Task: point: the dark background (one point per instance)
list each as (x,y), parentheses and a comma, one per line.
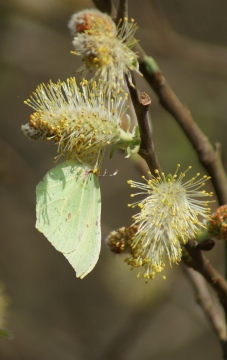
(110,314)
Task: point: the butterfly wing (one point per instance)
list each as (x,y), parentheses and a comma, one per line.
(68,213)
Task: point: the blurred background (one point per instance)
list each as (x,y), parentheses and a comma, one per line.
(109,315)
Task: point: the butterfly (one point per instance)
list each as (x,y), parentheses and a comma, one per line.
(68,212)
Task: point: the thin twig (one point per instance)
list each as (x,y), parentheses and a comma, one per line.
(105,6)
(122,10)
(208,155)
(201,264)
(204,299)
(141,103)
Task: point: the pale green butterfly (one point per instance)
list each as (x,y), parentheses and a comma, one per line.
(68,211)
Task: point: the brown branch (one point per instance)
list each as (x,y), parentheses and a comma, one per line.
(141,103)
(105,6)
(122,10)
(207,154)
(201,264)
(204,299)
(209,157)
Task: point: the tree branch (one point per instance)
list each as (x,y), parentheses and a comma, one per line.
(204,299)
(141,103)
(122,10)
(207,154)
(105,6)
(201,264)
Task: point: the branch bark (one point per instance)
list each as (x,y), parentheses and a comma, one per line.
(105,6)
(122,10)
(201,264)
(141,103)
(208,155)
(204,299)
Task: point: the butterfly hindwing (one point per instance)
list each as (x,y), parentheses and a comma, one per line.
(68,213)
